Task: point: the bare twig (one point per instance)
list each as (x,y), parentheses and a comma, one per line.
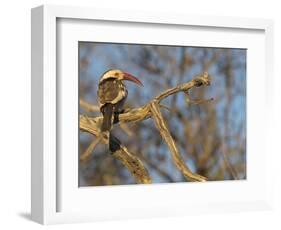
(88,107)
(200,80)
(196,102)
(157,168)
(227,163)
(126,129)
(166,107)
(90,149)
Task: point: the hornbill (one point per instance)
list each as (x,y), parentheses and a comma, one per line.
(112,94)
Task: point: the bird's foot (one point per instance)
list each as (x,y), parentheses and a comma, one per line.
(117,113)
(121,111)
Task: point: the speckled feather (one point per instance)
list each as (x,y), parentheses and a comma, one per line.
(111,91)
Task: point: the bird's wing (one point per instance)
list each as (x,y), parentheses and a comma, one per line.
(109,92)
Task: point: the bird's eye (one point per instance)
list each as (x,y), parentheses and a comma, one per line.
(116,74)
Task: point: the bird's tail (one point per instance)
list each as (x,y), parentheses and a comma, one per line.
(107,112)
(114,143)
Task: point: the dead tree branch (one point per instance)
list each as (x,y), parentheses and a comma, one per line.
(165,133)
(150,110)
(88,107)
(133,164)
(128,159)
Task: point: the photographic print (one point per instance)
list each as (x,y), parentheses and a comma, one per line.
(161,114)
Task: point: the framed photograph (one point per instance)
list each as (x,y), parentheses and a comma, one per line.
(141,114)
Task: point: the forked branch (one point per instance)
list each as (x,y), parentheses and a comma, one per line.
(150,110)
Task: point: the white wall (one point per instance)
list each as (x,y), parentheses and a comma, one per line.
(15,113)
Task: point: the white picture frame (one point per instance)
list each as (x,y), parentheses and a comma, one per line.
(54,201)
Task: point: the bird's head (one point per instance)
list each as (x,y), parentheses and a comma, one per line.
(120,75)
